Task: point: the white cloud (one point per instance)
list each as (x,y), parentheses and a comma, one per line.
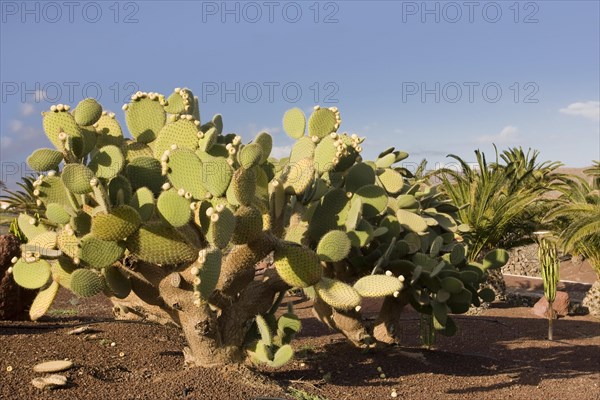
(5,142)
(509,134)
(281,151)
(588,109)
(15,125)
(27,109)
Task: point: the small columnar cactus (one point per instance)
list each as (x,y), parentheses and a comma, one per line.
(178,216)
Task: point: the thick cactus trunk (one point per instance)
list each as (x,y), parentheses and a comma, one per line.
(14,300)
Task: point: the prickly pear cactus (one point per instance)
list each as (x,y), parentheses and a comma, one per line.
(178,216)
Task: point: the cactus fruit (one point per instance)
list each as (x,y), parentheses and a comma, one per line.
(297,265)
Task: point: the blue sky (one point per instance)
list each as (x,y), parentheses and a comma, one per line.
(430,78)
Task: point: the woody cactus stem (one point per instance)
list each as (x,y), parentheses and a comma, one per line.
(550,273)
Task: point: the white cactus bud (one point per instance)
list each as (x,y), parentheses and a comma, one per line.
(187,195)
(193,205)
(94,182)
(401,278)
(181,192)
(210,211)
(67,107)
(38,202)
(194,271)
(174,146)
(357,308)
(388,273)
(60,107)
(9,270)
(52,173)
(316,107)
(36,192)
(32,221)
(396,293)
(14,260)
(166,186)
(62,136)
(53,108)
(214,217)
(76,261)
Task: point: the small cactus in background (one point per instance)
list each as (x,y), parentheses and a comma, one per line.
(179,216)
(550,273)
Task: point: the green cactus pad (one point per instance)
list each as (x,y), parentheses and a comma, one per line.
(45,160)
(322,122)
(86,283)
(244,185)
(495,259)
(43,300)
(436,246)
(117,282)
(43,241)
(362,234)
(377,285)
(99,253)
(487,295)
(81,223)
(62,270)
(386,161)
(217,121)
(303,148)
(265,141)
(337,294)
(109,131)
(299,176)
(452,285)
(216,173)
(210,271)
(408,202)
(77,177)
(87,112)
(296,234)
(457,254)
(57,214)
(354,213)
(359,175)
(374,200)
(146,172)
(325,155)
(134,150)
(221,228)
(160,243)
(143,202)
(264,330)
(119,224)
(334,246)
(119,190)
(185,172)
(107,162)
(391,180)
(52,190)
(90,139)
(411,221)
(330,214)
(175,209)
(183,133)
(180,102)
(32,275)
(294,123)
(248,226)
(297,266)
(145,117)
(250,155)
(30,226)
(68,243)
(55,122)
(209,139)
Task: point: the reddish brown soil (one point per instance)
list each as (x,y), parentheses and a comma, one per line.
(499,354)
